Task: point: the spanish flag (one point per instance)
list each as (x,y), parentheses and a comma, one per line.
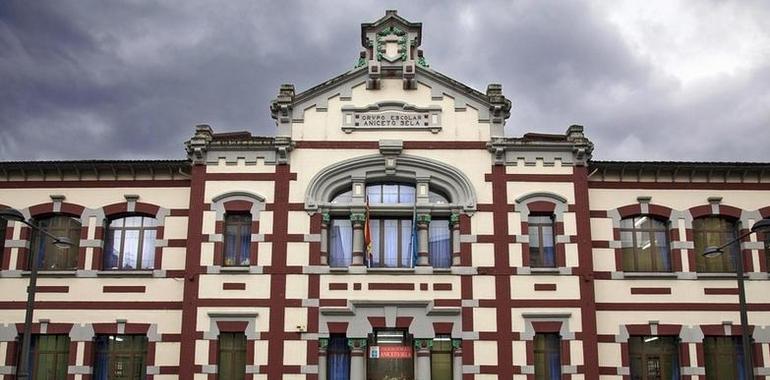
(367,236)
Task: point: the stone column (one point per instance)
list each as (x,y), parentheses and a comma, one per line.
(358,220)
(423,221)
(454,223)
(357,360)
(322,344)
(325,219)
(422,351)
(457,360)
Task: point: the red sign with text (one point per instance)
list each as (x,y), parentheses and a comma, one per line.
(395,352)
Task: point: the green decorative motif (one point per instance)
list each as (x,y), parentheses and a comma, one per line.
(454,219)
(356,342)
(423,343)
(391,30)
(323,343)
(326,218)
(361,62)
(423,218)
(456,343)
(421,62)
(402,38)
(358,217)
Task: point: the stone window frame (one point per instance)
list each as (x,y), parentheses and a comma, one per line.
(392,167)
(240,202)
(82,334)
(131,207)
(544,203)
(545,322)
(740,217)
(57,207)
(231,322)
(659,212)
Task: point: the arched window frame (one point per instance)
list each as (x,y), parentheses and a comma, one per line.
(738,217)
(543,204)
(236,203)
(425,174)
(131,207)
(644,207)
(39,240)
(147,235)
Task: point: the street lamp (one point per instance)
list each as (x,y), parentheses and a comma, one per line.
(60,242)
(760,226)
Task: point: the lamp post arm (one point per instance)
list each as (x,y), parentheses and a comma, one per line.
(736,240)
(41,230)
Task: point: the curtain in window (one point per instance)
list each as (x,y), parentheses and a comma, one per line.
(644,241)
(713,232)
(340,243)
(338,358)
(391,243)
(50,354)
(547,357)
(50,257)
(130,243)
(439,247)
(232,356)
(724,358)
(542,252)
(441,359)
(237,239)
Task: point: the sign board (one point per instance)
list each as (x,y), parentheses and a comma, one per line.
(391,116)
(392,352)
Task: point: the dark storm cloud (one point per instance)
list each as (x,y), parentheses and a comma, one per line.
(129,80)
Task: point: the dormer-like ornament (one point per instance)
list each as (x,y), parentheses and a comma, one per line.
(391,49)
(281,109)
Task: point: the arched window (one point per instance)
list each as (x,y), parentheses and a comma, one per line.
(714,231)
(50,257)
(130,243)
(237,239)
(645,244)
(542,251)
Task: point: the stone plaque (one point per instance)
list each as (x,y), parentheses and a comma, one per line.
(391,116)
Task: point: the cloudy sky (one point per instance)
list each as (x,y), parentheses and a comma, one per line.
(650,80)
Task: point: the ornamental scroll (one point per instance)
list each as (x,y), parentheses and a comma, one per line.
(391,116)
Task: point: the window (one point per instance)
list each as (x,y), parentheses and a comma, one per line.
(340,243)
(439,244)
(237,239)
(547,357)
(713,232)
(645,245)
(441,358)
(232,356)
(338,358)
(120,357)
(390,193)
(541,241)
(393,243)
(50,354)
(724,358)
(130,243)
(394,238)
(654,357)
(50,257)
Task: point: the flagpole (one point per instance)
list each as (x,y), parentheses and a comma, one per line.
(412,243)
